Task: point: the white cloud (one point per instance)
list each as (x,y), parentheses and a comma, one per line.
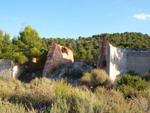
(141,16)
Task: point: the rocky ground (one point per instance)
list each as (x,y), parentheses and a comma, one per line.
(70,71)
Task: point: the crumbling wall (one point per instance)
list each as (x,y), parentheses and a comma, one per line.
(16,71)
(9,70)
(6,68)
(102,58)
(120,60)
(56,56)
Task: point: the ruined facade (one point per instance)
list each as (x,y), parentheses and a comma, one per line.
(57,54)
(104,44)
(120,60)
(9,69)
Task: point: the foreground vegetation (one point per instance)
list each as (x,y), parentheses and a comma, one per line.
(44,95)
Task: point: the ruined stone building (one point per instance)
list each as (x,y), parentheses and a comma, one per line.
(9,69)
(57,54)
(118,61)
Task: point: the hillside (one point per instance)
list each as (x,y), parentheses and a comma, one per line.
(86,48)
(28,44)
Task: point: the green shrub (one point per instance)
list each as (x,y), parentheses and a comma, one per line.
(128,91)
(131,72)
(133,81)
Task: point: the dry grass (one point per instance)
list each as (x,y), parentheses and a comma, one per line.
(44,95)
(142,103)
(7,107)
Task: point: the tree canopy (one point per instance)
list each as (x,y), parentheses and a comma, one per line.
(28,44)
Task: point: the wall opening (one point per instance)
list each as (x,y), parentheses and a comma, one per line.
(64,51)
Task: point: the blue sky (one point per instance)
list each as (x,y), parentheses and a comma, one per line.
(74,18)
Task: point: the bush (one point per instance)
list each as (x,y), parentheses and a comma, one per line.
(86,79)
(7,107)
(133,81)
(146,76)
(132,73)
(101,90)
(96,78)
(39,93)
(128,91)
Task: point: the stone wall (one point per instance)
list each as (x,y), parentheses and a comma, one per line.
(57,54)
(120,60)
(116,62)
(9,70)
(139,61)
(6,68)
(16,71)
(104,44)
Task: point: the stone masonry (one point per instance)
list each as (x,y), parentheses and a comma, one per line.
(9,69)
(57,54)
(104,44)
(120,60)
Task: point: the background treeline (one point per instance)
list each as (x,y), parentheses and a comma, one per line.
(28,44)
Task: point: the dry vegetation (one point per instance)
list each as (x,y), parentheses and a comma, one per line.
(44,95)
(96,78)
